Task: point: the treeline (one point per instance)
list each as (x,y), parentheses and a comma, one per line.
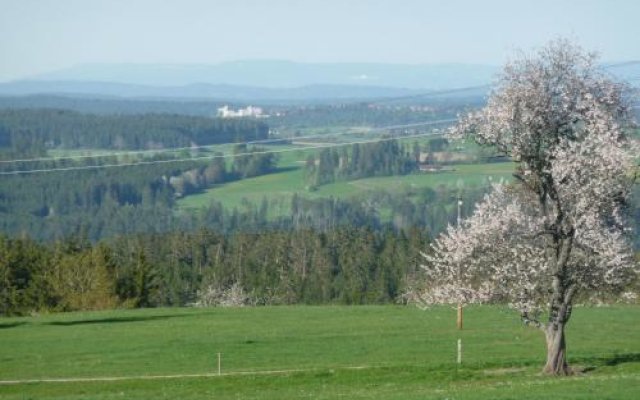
(105,203)
(345,265)
(383,113)
(33,131)
(383,158)
(108,201)
(119,106)
(114,201)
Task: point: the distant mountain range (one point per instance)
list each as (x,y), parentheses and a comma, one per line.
(252,80)
(245,81)
(282,74)
(197,91)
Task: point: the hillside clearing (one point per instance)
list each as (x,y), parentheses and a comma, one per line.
(279,187)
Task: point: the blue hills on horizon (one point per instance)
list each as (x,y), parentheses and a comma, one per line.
(270,80)
(282,74)
(247,80)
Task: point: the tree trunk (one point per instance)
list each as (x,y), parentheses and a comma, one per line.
(556,351)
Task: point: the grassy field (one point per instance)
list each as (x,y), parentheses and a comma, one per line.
(372,352)
(284,184)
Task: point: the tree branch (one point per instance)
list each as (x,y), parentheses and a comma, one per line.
(533,321)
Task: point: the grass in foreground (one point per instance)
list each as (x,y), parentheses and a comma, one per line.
(400,352)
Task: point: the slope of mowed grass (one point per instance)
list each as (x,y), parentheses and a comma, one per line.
(399,352)
(271,186)
(283,185)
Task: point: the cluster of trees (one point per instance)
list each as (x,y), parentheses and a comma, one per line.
(387,157)
(432,209)
(25,131)
(345,265)
(29,203)
(383,158)
(107,201)
(248,161)
(252,161)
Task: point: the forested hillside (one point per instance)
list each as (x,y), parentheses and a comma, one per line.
(24,131)
(110,105)
(142,198)
(345,265)
(106,202)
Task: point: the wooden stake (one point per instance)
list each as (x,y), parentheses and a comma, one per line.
(219,364)
(459,351)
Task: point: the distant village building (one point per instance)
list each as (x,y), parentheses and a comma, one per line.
(250,111)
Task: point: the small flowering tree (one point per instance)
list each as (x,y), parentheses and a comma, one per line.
(559,231)
(215,296)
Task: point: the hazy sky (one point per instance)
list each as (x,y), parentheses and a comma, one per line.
(40,36)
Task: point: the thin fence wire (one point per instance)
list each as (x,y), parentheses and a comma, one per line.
(212,146)
(475,358)
(215,156)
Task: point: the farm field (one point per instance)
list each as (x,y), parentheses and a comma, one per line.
(366,352)
(283,185)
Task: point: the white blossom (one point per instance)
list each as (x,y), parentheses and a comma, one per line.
(560,230)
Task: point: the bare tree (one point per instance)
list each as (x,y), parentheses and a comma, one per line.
(560,230)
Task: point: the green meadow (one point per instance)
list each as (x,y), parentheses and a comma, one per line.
(282,185)
(323,352)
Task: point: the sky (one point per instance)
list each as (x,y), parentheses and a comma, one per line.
(38,36)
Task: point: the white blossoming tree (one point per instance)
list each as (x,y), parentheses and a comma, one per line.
(559,232)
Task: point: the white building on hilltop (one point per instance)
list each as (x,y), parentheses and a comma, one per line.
(250,111)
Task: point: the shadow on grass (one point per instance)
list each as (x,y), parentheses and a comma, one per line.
(7,325)
(285,169)
(115,320)
(609,361)
(621,359)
